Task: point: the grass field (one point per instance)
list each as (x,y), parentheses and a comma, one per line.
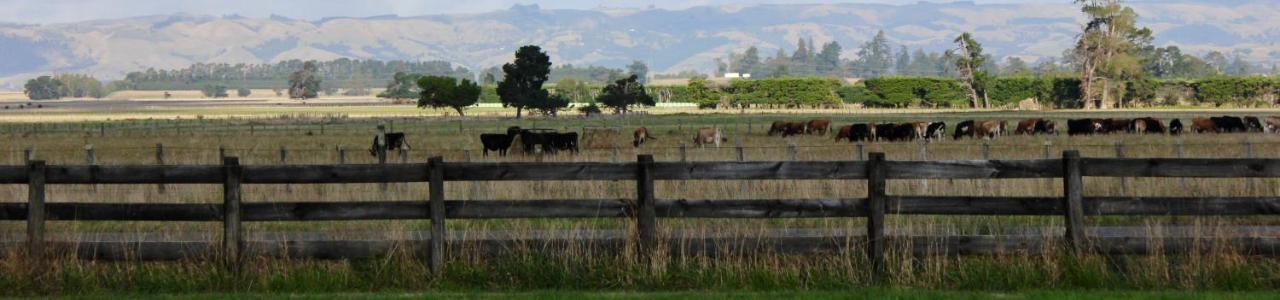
(1017,274)
(846,294)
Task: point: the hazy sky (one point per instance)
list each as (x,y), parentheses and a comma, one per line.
(60,11)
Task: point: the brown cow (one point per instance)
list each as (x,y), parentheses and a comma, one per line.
(1202,125)
(778,127)
(787,128)
(845,133)
(1035,126)
(1273,124)
(707,135)
(818,126)
(988,129)
(1148,125)
(641,135)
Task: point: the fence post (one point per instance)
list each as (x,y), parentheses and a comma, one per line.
(404,155)
(102,129)
(160,161)
(435,172)
(646,214)
(862,154)
(791,151)
(684,152)
(615,152)
(89,157)
(284,155)
(28,155)
(35,208)
(738,149)
(1124,181)
(986,150)
(231,233)
(342,155)
(1073,200)
(1248,182)
(1182,181)
(876,204)
(1047,146)
(222,151)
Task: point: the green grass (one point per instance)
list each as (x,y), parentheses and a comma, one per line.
(835,294)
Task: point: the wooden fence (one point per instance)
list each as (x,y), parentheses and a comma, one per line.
(646,208)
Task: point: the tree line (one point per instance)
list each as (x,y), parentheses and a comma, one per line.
(340,73)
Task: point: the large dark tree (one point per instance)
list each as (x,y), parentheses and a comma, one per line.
(521,85)
(43,88)
(639,69)
(440,91)
(623,94)
(305,83)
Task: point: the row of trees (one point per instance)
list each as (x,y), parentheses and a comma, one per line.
(340,73)
(64,86)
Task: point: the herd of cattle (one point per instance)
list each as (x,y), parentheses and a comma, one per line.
(550,141)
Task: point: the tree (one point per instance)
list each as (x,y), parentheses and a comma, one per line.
(243,92)
(623,94)
(1217,60)
(639,69)
(590,110)
(749,62)
(305,83)
(402,86)
(875,58)
(969,61)
(1106,52)
(1015,66)
(552,105)
(80,86)
(828,60)
(902,65)
(43,88)
(214,91)
(575,89)
(521,85)
(440,91)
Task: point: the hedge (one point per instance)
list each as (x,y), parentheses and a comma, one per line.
(918,92)
(1241,91)
(785,92)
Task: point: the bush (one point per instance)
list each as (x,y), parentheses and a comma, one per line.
(785,92)
(919,92)
(243,92)
(860,95)
(214,91)
(1241,91)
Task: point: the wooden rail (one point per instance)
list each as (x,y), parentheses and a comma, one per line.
(646,209)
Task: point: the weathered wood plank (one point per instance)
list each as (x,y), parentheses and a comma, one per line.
(436,254)
(877,200)
(505,171)
(974,169)
(966,205)
(681,247)
(646,216)
(232,235)
(1183,167)
(762,208)
(1073,201)
(35,208)
(1182,206)
(139,174)
(502,209)
(733,170)
(304,174)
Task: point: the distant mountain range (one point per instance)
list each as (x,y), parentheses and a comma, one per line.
(669,40)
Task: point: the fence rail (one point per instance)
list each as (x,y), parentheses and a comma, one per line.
(645,209)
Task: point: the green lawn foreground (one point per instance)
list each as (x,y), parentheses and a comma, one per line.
(848,294)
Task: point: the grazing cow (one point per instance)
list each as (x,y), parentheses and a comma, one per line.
(1175,127)
(1084,127)
(863,132)
(779,127)
(1229,124)
(964,128)
(1273,124)
(1202,125)
(844,133)
(1253,124)
(564,141)
(534,139)
(1036,126)
(1119,125)
(394,140)
(988,129)
(641,135)
(707,135)
(817,126)
(1147,125)
(886,131)
(936,131)
(906,132)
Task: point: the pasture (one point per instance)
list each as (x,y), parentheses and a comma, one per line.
(330,139)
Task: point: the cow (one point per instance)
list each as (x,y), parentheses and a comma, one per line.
(564,141)
(817,126)
(844,133)
(964,128)
(393,140)
(906,132)
(863,132)
(779,127)
(1229,124)
(1084,127)
(1175,127)
(1273,124)
(886,132)
(1147,125)
(1119,125)
(1253,124)
(499,142)
(936,131)
(534,139)
(707,135)
(988,129)
(1036,126)
(1202,125)
(641,135)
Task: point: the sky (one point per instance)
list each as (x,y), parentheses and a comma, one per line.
(64,11)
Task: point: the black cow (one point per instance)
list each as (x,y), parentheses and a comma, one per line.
(964,128)
(394,140)
(886,131)
(533,139)
(936,131)
(496,142)
(1228,124)
(863,132)
(1253,124)
(1084,126)
(1175,127)
(567,141)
